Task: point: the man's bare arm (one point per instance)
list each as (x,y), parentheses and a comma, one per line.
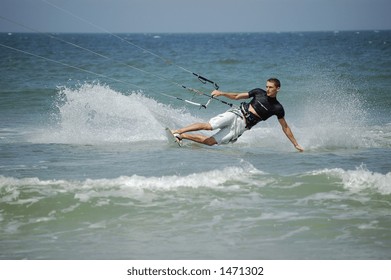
(289,134)
(230,95)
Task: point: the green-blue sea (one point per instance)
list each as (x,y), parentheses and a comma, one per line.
(86,171)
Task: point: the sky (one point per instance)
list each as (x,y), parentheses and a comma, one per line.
(155,16)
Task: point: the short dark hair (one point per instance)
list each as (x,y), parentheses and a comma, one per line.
(275,81)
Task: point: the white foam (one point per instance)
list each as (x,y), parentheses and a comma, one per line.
(361,179)
(224,178)
(94,114)
(227,179)
(334,115)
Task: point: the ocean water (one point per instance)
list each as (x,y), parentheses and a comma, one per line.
(86,171)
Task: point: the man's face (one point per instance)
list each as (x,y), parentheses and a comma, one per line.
(271,89)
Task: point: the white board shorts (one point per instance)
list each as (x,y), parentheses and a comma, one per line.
(231,124)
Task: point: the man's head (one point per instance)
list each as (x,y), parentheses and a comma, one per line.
(272,87)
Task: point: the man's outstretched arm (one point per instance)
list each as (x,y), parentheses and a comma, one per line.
(289,134)
(230,95)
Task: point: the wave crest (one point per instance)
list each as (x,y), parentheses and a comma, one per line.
(361,179)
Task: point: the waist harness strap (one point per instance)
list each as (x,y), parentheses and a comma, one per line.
(251,119)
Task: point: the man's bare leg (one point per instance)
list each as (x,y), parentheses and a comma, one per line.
(199,138)
(193,127)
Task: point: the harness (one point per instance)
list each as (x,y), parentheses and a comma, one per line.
(250,118)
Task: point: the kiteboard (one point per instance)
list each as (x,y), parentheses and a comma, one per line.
(171,138)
